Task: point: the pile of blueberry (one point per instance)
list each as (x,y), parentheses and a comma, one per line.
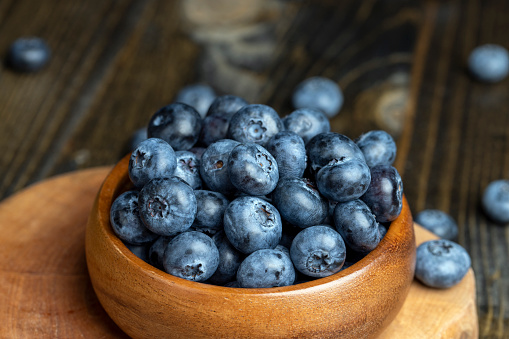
(236,196)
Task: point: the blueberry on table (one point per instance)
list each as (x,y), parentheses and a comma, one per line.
(214,166)
(307,123)
(28,54)
(385,193)
(266,268)
(178,124)
(441,263)
(153,158)
(357,225)
(167,206)
(210,211)
(320,93)
(290,153)
(125,220)
(192,256)
(156,251)
(495,201)
(299,202)
(251,224)
(318,251)
(188,168)
(438,222)
(229,260)
(489,63)
(378,148)
(198,96)
(255,124)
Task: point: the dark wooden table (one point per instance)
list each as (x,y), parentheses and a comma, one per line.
(401,64)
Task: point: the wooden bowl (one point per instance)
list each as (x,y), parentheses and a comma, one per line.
(358,302)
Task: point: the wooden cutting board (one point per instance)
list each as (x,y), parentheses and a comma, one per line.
(45,290)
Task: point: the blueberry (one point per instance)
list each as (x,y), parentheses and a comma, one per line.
(156,251)
(210,211)
(28,54)
(255,124)
(343,180)
(197,151)
(232,284)
(214,166)
(357,225)
(441,263)
(192,256)
(141,251)
(253,170)
(188,168)
(178,124)
(153,158)
(290,153)
(318,251)
(325,147)
(125,220)
(438,222)
(198,96)
(266,268)
(226,105)
(378,148)
(495,201)
(489,63)
(229,260)
(307,123)
(385,193)
(167,206)
(320,93)
(382,229)
(299,202)
(138,136)
(251,224)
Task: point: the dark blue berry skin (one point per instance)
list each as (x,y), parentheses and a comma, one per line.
(266,268)
(167,206)
(255,124)
(141,251)
(192,256)
(28,54)
(229,260)
(357,225)
(378,148)
(319,93)
(441,263)
(178,124)
(307,123)
(156,251)
(252,224)
(125,220)
(385,193)
(252,169)
(210,211)
(290,153)
(138,136)
(188,168)
(198,96)
(226,105)
(489,63)
(153,158)
(318,251)
(325,147)
(214,166)
(439,223)
(495,201)
(299,202)
(343,180)
(382,230)
(198,151)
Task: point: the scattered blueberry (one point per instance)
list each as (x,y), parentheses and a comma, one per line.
(210,211)
(290,153)
(28,54)
(307,123)
(439,223)
(188,168)
(229,260)
(489,63)
(266,268)
(255,124)
(378,148)
(198,96)
(495,201)
(320,93)
(214,166)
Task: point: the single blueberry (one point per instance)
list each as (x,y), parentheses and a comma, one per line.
(125,220)
(307,123)
(188,168)
(198,96)
(137,137)
(141,251)
(229,260)
(320,93)
(266,268)
(254,124)
(495,201)
(167,206)
(192,256)
(214,166)
(318,251)
(290,153)
(489,63)
(28,54)
(378,148)
(226,105)
(210,211)
(178,124)
(153,158)
(156,251)
(382,229)
(438,222)
(441,263)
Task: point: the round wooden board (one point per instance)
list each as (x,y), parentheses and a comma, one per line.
(45,290)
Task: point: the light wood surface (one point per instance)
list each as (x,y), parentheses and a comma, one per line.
(45,290)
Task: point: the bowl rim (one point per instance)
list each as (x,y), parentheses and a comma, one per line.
(118,179)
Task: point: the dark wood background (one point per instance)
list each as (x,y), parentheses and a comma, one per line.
(401,64)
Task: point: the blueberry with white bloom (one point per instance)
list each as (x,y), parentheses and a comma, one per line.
(307,122)
(199,96)
(320,93)
(489,63)
(495,201)
(438,222)
(266,268)
(28,54)
(378,148)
